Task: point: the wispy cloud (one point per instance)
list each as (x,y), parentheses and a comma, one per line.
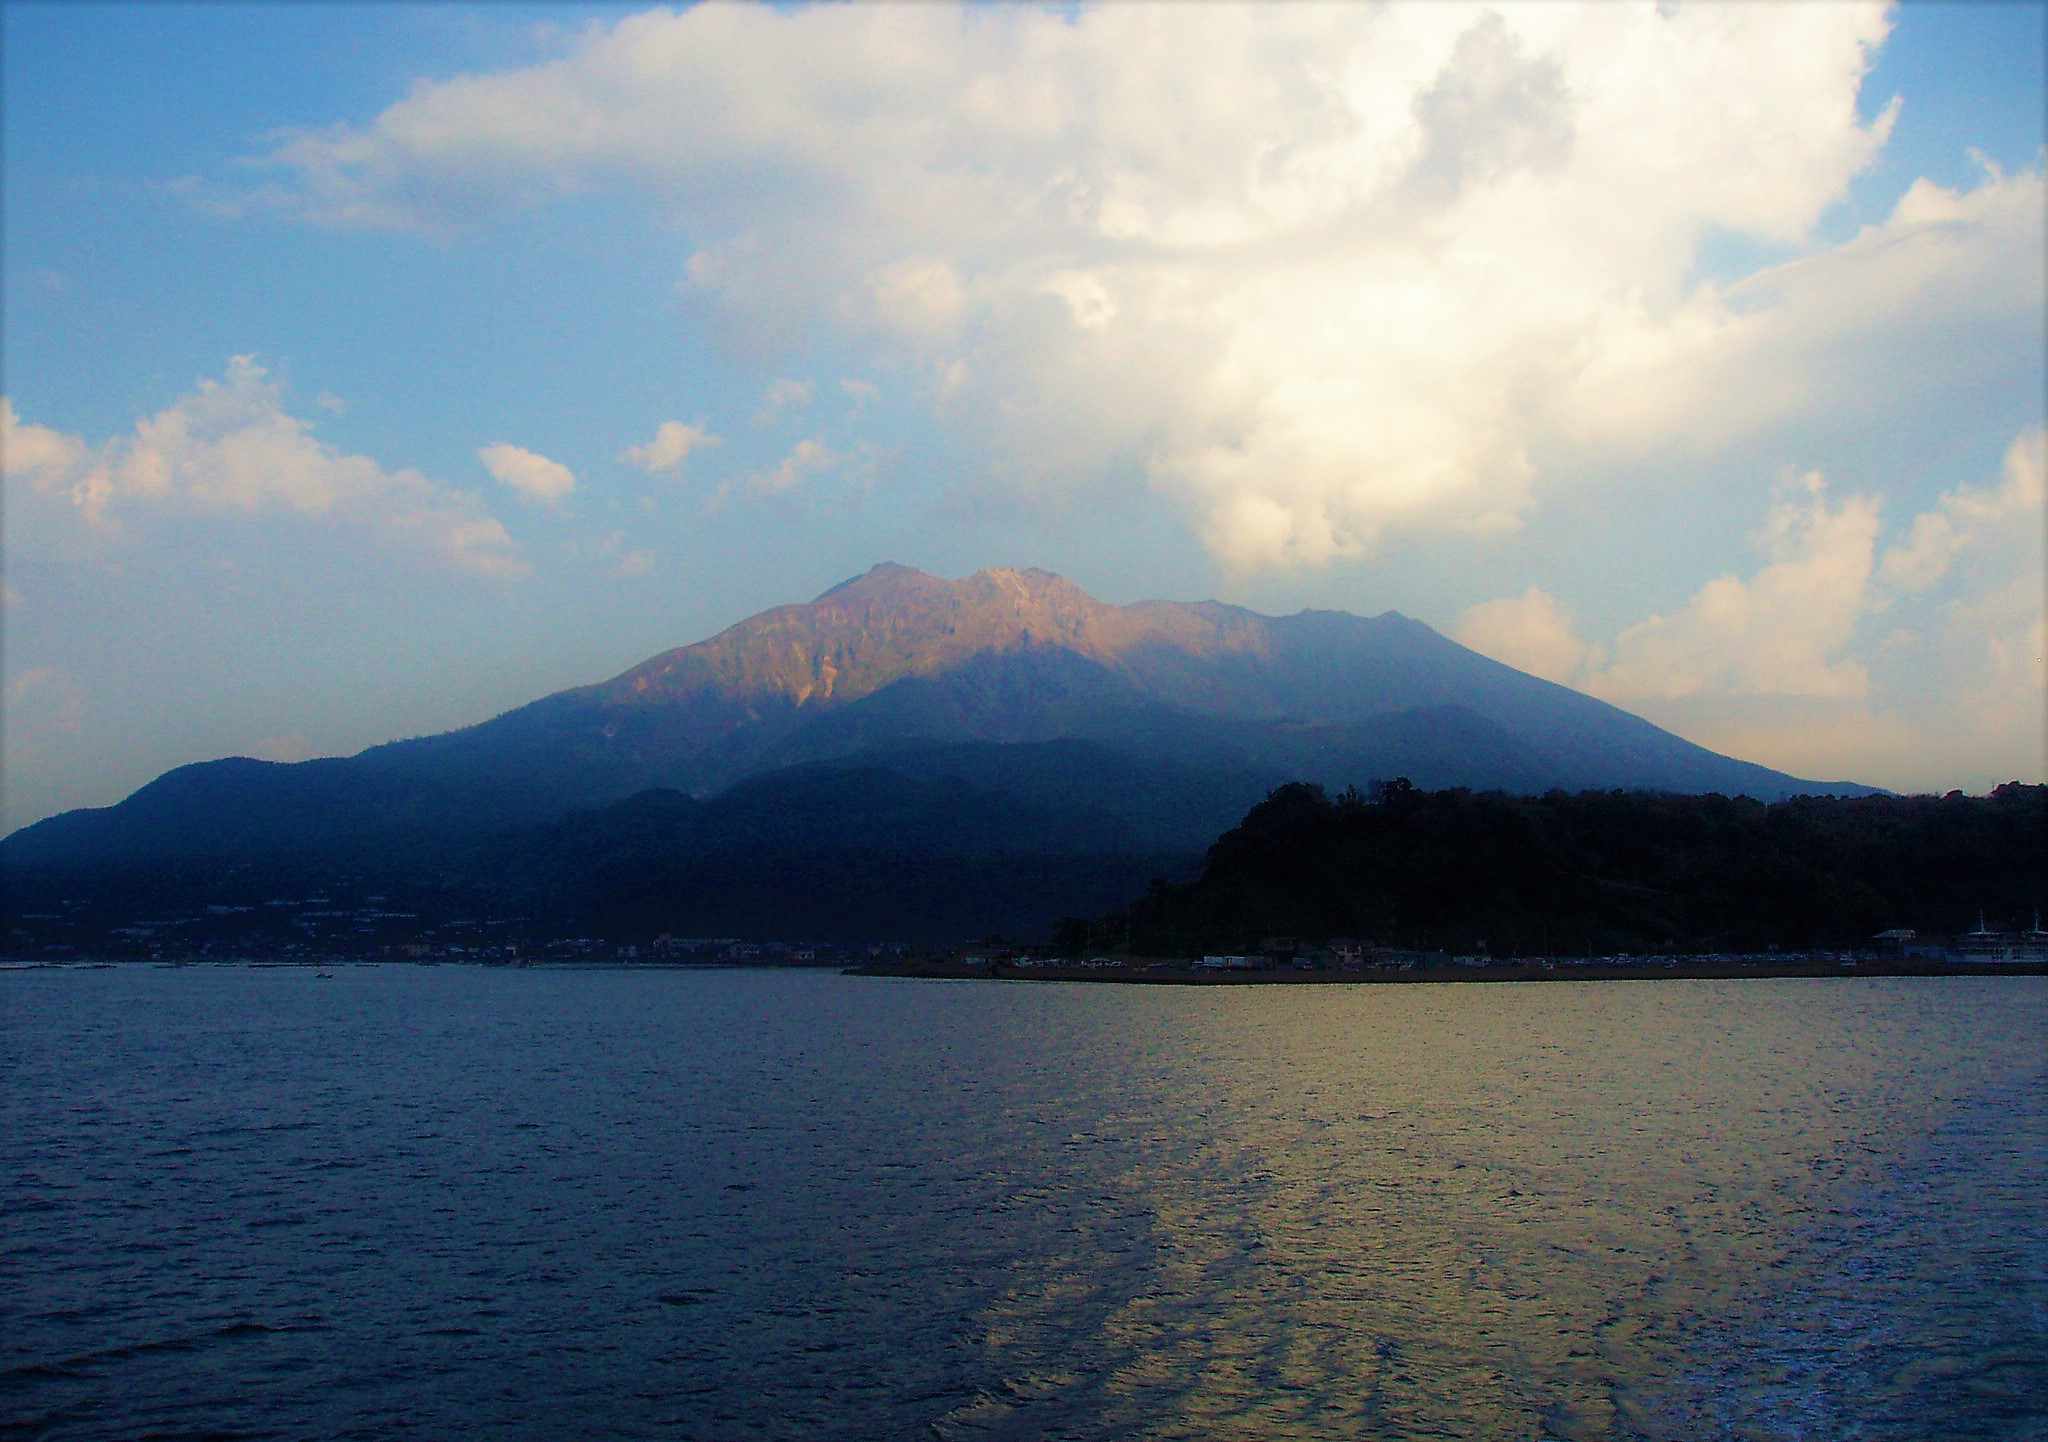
(806,462)
(46,696)
(783,396)
(626,562)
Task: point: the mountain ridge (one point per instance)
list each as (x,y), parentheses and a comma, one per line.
(895,656)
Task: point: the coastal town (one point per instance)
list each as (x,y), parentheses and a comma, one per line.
(1986,949)
(323,930)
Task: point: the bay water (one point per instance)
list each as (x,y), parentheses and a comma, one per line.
(439,1201)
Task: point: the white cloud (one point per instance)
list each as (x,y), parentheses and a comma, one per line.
(918,297)
(1910,316)
(531,474)
(1923,664)
(1380,268)
(230,446)
(861,392)
(1531,632)
(1968,517)
(1987,626)
(1775,633)
(36,452)
(673,441)
(1779,632)
(784,395)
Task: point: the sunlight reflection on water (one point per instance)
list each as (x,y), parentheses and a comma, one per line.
(412,1201)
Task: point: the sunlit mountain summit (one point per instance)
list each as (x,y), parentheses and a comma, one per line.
(925,675)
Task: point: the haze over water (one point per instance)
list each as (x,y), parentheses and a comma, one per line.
(426,1202)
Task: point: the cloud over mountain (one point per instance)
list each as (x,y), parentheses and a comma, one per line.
(1838,644)
(1358,277)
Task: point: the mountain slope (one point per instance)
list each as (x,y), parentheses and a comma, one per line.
(1026,656)
(896,657)
(845,852)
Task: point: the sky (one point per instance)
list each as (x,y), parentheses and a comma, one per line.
(370,370)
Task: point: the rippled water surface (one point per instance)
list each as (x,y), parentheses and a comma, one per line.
(441,1201)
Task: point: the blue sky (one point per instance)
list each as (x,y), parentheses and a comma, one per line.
(1690,356)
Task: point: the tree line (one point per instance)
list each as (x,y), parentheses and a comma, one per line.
(1595,873)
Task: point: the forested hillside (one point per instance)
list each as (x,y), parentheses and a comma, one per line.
(1600,872)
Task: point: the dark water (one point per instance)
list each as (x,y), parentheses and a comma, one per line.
(437,1202)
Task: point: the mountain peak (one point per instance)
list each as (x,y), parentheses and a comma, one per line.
(1022,654)
(882,574)
(992,584)
(999,656)
(891,622)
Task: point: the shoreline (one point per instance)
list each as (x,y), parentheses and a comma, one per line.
(1169,975)
(1151,974)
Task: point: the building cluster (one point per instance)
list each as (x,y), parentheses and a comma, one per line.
(323,927)
(1987,943)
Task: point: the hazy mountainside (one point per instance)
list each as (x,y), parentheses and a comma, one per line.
(930,847)
(895,662)
(850,851)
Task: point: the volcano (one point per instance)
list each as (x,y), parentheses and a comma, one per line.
(1168,718)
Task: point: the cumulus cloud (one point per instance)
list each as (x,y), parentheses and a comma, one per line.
(531,474)
(673,441)
(1969,517)
(1371,272)
(1924,662)
(1777,632)
(1532,632)
(1773,633)
(230,446)
(1985,620)
(36,452)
